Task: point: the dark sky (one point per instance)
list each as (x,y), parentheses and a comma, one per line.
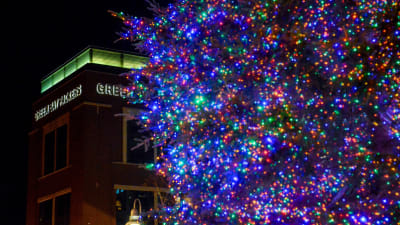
(37,37)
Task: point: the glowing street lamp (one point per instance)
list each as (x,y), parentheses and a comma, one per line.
(134,216)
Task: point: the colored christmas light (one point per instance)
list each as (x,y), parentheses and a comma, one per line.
(274,111)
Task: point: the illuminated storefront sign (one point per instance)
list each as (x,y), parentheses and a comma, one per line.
(111,90)
(101,89)
(59,102)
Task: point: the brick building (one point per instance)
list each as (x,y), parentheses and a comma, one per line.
(87,160)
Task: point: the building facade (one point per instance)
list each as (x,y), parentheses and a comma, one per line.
(88,157)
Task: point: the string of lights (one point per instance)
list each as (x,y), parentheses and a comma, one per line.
(274,111)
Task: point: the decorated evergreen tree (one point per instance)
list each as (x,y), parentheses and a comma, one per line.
(273,111)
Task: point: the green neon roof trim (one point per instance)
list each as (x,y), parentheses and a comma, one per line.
(94,56)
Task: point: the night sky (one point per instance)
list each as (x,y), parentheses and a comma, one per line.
(37,37)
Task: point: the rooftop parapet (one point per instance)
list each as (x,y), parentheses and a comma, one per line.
(94,56)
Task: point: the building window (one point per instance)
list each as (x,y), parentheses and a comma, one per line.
(45,212)
(150,200)
(61,210)
(55,211)
(124,204)
(55,150)
(137,145)
(61,147)
(49,148)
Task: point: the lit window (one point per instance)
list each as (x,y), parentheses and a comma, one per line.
(125,199)
(150,200)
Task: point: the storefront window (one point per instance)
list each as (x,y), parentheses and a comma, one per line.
(124,204)
(151,201)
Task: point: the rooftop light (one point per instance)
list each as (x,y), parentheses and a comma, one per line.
(94,56)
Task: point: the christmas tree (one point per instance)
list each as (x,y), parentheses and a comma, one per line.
(273,111)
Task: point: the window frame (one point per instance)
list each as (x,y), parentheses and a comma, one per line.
(155,190)
(48,128)
(126,112)
(53,197)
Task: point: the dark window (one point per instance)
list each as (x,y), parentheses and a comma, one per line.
(55,149)
(124,204)
(49,142)
(62,209)
(61,154)
(139,145)
(45,212)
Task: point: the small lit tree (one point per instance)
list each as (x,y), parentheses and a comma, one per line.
(274,111)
